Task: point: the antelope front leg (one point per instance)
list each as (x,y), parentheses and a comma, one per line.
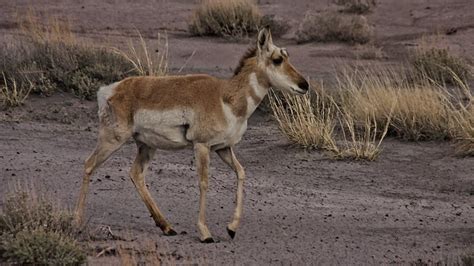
(202,164)
(228,156)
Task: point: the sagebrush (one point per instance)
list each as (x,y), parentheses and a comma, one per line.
(230,18)
(357,6)
(440,65)
(331,25)
(33,230)
(50,58)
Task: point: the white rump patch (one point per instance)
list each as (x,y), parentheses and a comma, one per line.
(104,94)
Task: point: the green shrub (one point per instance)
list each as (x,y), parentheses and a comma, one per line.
(334,26)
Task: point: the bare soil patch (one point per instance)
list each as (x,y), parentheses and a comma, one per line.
(414,202)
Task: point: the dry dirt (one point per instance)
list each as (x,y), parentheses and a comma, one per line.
(416,202)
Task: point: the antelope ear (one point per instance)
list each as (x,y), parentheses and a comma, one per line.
(264,40)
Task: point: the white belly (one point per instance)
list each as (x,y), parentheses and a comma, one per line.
(162,129)
(176,129)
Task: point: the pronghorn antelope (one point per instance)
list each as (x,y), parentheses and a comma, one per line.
(198,111)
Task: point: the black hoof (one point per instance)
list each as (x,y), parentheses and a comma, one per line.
(170,232)
(208,240)
(231,233)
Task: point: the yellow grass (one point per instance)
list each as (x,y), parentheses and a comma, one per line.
(366,105)
(54,30)
(419,111)
(308,125)
(13,95)
(311,121)
(362,139)
(145,61)
(464,136)
(463,117)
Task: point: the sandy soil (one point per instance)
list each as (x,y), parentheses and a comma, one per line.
(414,203)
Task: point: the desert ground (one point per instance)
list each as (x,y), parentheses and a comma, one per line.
(414,204)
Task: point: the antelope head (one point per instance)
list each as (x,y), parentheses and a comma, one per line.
(275,63)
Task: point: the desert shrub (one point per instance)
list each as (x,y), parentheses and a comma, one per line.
(277,25)
(41,247)
(50,58)
(439,65)
(229,18)
(35,231)
(334,26)
(69,67)
(368,52)
(357,6)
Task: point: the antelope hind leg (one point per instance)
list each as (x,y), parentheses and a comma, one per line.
(106,145)
(137,174)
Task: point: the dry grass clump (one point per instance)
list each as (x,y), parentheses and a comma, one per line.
(311,121)
(333,26)
(11,94)
(418,112)
(357,6)
(229,18)
(367,105)
(304,122)
(439,65)
(463,117)
(144,61)
(464,131)
(34,231)
(361,141)
(54,30)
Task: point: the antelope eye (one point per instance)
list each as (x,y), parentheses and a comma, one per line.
(278,60)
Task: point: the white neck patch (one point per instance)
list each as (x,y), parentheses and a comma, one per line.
(258,89)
